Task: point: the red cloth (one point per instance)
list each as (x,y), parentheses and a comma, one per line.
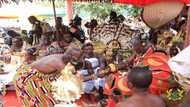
(86,98)
(156,60)
(158,63)
(10,100)
(111,103)
(145,2)
(160,83)
(107,89)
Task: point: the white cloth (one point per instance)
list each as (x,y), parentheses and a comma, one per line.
(88,85)
(67,87)
(93,61)
(65,105)
(99,82)
(181,62)
(180,65)
(91,84)
(5,79)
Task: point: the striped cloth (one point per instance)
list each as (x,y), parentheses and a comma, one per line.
(33,88)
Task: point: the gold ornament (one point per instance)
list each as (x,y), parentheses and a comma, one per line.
(175,94)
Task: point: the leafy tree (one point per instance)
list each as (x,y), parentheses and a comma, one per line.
(102,10)
(94,10)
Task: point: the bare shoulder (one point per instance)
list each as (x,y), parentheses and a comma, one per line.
(158,100)
(126,104)
(149,101)
(48,64)
(130,102)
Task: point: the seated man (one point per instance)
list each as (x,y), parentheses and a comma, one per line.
(33,82)
(94,64)
(139,80)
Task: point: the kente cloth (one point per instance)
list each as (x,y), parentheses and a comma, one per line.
(115,81)
(162,75)
(118,83)
(33,88)
(161,82)
(107,88)
(158,64)
(137,60)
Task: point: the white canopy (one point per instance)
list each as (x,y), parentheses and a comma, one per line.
(22,11)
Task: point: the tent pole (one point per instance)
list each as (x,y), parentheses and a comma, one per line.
(55,19)
(54,11)
(69,10)
(187,36)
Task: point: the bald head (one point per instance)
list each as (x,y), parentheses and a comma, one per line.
(73,53)
(140,77)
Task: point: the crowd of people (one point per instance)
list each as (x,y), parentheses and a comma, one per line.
(108,78)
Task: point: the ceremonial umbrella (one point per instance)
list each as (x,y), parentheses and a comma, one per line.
(145,2)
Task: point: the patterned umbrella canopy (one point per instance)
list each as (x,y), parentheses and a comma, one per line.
(134,2)
(145,2)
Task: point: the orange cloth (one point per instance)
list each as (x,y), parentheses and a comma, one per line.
(158,63)
(120,83)
(160,83)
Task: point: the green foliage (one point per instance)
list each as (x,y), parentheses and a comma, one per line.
(102,10)
(94,10)
(133,11)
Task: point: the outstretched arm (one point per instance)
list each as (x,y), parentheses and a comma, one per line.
(48,64)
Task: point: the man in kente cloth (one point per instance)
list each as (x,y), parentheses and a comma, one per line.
(32,82)
(157,61)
